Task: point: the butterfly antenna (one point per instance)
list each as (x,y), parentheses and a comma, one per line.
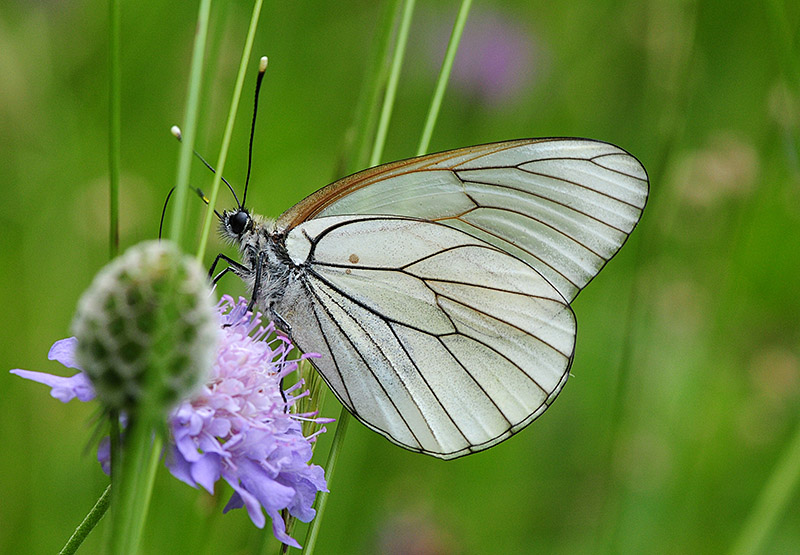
(200,193)
(262,67)
(164,212)
(204,198)
(176,132)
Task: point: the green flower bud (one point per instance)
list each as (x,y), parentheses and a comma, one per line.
(147,328)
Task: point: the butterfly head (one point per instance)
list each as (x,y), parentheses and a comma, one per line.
(235,224)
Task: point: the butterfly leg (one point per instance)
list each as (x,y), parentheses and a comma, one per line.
(282,328)
(262,256)
(282,324)
(233,266)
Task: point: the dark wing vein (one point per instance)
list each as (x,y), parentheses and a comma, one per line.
(508,242)
(314,307)
(415,328)
(544,223)
(636,177)
(581,185)
(476,382)
(313,292)
(509,324)
(386,318)
(538,196)
(591,159)
(456,170)
(428,385)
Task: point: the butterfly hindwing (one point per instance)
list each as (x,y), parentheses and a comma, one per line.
(436,339)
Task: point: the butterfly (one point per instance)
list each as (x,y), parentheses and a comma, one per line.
(437,289)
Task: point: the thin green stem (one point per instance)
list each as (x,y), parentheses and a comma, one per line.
(380,136)
(148,480)
(114,124)
(375,82)
(394,79)
(135,465)
(115,439)
(88,524)
(226,139)
(783,36)
(772,501)
(133,486)
(444,76)
(330,467)
(189,128)
(783,483)
(399,51)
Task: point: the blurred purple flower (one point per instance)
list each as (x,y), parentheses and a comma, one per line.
(498,58)
(63,389)
(238,427)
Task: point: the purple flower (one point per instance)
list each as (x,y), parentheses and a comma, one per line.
(498,60)
(238,427)
(63,389)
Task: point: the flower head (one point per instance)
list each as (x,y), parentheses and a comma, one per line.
(146,329)
(238,427)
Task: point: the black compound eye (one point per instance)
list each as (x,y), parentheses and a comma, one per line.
(238,221)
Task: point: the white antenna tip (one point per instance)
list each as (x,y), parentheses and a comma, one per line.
(262,65)
(176,131)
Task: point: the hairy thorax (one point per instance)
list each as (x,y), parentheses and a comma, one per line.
(265,262)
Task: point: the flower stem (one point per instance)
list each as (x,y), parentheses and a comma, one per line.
(133,485)
(189,127)
(444,76)
(394,79)
(447,64)
(380,137)
(88,524)
(114,124)
(783,40)
(772,501)
(330,466)
(114,162)
(226,139)
(374,84)
(136,463)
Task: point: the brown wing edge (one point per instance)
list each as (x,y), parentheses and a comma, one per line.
(317,201)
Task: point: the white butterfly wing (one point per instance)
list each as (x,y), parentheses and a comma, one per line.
(439,341)
(564,206)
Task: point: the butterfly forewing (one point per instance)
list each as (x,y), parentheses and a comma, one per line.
(564,206)
(436,339)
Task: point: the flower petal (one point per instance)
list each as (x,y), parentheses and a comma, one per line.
(179,467)
(63,351)
(63,389)
(271,494)
(206,471)
(243,498)
(279,529)
(104,455)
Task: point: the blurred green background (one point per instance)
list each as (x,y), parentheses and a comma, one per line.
(686,381)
